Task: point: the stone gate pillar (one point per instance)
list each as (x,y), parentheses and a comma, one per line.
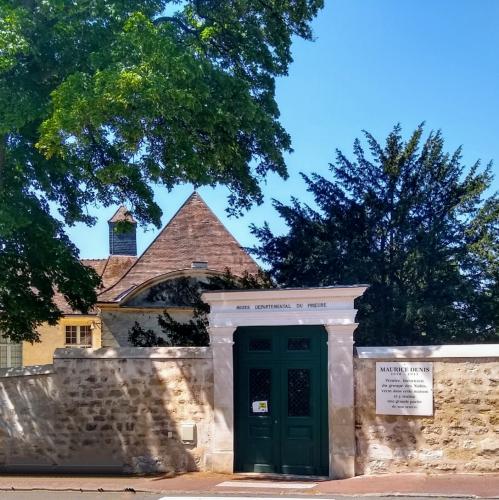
(340,381)
(222,454)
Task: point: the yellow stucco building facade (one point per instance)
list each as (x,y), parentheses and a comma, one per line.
(57,336)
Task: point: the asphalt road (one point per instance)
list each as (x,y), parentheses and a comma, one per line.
(76,495)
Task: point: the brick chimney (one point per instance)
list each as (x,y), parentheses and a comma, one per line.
(122,243)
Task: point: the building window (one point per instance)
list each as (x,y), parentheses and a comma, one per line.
(11,353)
(78,336)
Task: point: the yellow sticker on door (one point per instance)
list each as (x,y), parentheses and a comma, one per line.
(260,407)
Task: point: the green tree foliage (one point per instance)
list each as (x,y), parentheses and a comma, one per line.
(195,331)
(410,220)
(140,337)
(101,99)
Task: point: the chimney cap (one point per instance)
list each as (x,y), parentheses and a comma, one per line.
(122,214)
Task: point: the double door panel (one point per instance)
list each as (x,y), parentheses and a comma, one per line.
(281,400)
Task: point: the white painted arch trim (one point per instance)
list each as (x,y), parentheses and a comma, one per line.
(133,291)
(430,351)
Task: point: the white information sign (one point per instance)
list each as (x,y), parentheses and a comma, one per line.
(260,407)
(404,388)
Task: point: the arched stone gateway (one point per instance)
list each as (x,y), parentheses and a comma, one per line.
(270,375)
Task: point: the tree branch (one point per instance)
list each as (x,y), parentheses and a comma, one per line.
(2,159)
(177,21)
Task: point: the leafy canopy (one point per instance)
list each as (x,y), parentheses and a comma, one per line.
(101,99)
(409,219)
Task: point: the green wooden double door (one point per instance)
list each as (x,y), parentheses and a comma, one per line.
(280,400)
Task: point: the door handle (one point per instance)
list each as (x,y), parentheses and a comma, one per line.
(275,421)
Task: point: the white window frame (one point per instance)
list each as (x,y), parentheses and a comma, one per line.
(78,336)
(8,344)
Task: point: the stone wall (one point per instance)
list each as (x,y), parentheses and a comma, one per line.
(461,436)
(108,410)
(121,410)
(116,323)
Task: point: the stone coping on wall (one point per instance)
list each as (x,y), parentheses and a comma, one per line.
(430,351)
(27,371)
(134,353)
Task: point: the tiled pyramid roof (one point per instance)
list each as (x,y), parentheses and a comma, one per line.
(194,234)
(99,265)
(116,266)
(110,270)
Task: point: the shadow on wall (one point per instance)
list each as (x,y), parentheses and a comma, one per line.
(108,411)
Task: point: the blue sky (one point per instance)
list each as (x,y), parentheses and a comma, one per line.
(374,63)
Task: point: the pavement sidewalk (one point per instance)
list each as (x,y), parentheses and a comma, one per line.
(450,485)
